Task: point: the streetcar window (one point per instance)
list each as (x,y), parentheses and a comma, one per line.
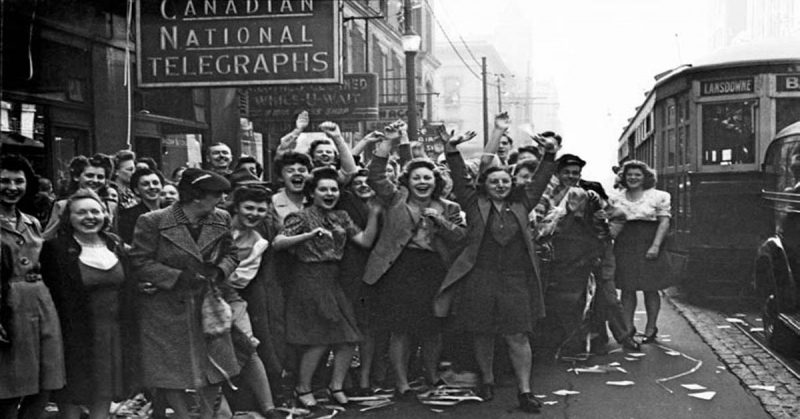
(729,133)
(787,112)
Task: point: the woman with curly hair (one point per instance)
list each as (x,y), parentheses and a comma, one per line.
(411,258)
(642,265)
(318,313)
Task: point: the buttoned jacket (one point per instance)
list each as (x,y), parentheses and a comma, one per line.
(24,244)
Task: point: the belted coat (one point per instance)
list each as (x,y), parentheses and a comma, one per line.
(175,352)
(477,207)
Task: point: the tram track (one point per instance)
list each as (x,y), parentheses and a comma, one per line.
(791,364)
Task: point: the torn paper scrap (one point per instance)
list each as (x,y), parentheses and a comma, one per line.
(673,353)
(706,395)
(666,340)
(624,383)
(760,387)
(756,329)
(628,358)
(636,354)
(724,326)
(622,370)
(539,396)
(739,315)
(565,392)
(735,320)
(613,364)
(549,402)
(693,387)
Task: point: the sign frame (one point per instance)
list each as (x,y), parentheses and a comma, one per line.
(336,61)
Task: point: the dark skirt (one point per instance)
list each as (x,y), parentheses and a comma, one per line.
(404,295)
(317,310)
(493,302)
(634,272)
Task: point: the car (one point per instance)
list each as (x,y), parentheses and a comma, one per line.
(776,272)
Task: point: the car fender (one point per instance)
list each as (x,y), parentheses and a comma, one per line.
(773,274)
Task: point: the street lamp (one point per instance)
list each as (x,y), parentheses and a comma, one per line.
(411,45)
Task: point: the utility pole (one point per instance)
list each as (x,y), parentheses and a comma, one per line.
(411,45)
(499,94)
(485,103)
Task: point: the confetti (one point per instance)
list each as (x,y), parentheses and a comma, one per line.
(565,392)
(620,369)
(620,383)
(693,387)
(613,364)
(666,340)
(739,315)
(756,329)
(673,353)
(760,387)
(724,326)
(735,320)
(627,358)
(706,395)
(636,354)
(549,402)
(539,396)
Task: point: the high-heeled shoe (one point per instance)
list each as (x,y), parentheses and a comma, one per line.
(305,399)
(651,337)
(338,396)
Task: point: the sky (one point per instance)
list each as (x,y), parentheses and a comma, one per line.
(601,54)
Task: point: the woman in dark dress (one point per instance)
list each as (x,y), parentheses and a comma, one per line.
(494,287)
(318,314)
(642,264)
(411,258)
(86,271)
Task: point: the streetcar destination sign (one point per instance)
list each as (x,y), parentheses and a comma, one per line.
(727,87)
(788,82)
(237,42)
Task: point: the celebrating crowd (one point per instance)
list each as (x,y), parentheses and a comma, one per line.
(214,281)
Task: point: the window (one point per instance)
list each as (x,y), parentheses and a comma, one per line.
(670,151)
(787,112)
(729,133)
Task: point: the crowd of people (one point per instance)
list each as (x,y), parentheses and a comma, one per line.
(214,280)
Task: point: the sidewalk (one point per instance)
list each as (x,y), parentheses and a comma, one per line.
(743,357)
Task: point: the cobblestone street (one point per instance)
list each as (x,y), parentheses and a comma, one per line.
(746,359)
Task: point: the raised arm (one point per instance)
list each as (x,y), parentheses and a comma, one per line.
(501,124)
(348,163)
(541,178)
(384,189)
(289,141)
(463,190)
(366,237)
(371,138)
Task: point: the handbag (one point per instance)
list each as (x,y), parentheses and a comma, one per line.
(216,313)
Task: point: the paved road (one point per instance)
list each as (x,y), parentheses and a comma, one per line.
(645,399)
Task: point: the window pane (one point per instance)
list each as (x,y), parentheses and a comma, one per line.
(729,133)
(787,112)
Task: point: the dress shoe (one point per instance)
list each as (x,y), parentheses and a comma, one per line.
(338,397)
(486,391)
(651,337)
(528,403)
(630,344)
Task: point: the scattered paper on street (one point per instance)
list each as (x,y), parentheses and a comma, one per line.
(613,364)
(673,353)
(723,326)
(706,395)
(739,315)
(756,329)
(637,354)
(565,392)
(735,320)
(377,405)
(550,402)
(760,387)
(628,358)
(624,383)
(693,387)
(539,396)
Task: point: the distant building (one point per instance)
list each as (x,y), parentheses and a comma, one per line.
(741,21)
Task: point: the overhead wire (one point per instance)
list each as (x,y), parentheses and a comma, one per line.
(452,45)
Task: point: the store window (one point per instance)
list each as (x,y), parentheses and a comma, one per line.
(787,112)
(729,132)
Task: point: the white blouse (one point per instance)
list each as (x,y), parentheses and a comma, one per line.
(649,207)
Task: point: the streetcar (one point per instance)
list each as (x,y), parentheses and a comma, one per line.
(705,128)
(777,262)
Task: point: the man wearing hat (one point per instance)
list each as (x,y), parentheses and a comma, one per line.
(177,252)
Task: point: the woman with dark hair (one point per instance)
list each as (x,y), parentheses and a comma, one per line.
(86,269)
(641,263)
(249,205)
(31,350)
(147,186)
(411,258)
(178,253)
(318,314)
(85,173)
(124,166)
(494,286)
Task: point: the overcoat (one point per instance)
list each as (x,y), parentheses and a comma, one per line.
(175,352)
(34,360)
(399,224)
(61,272)
(477,207)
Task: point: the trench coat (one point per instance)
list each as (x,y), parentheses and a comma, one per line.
(399,224)
(477,206)
(62,274)
(175,352)
(34,360)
